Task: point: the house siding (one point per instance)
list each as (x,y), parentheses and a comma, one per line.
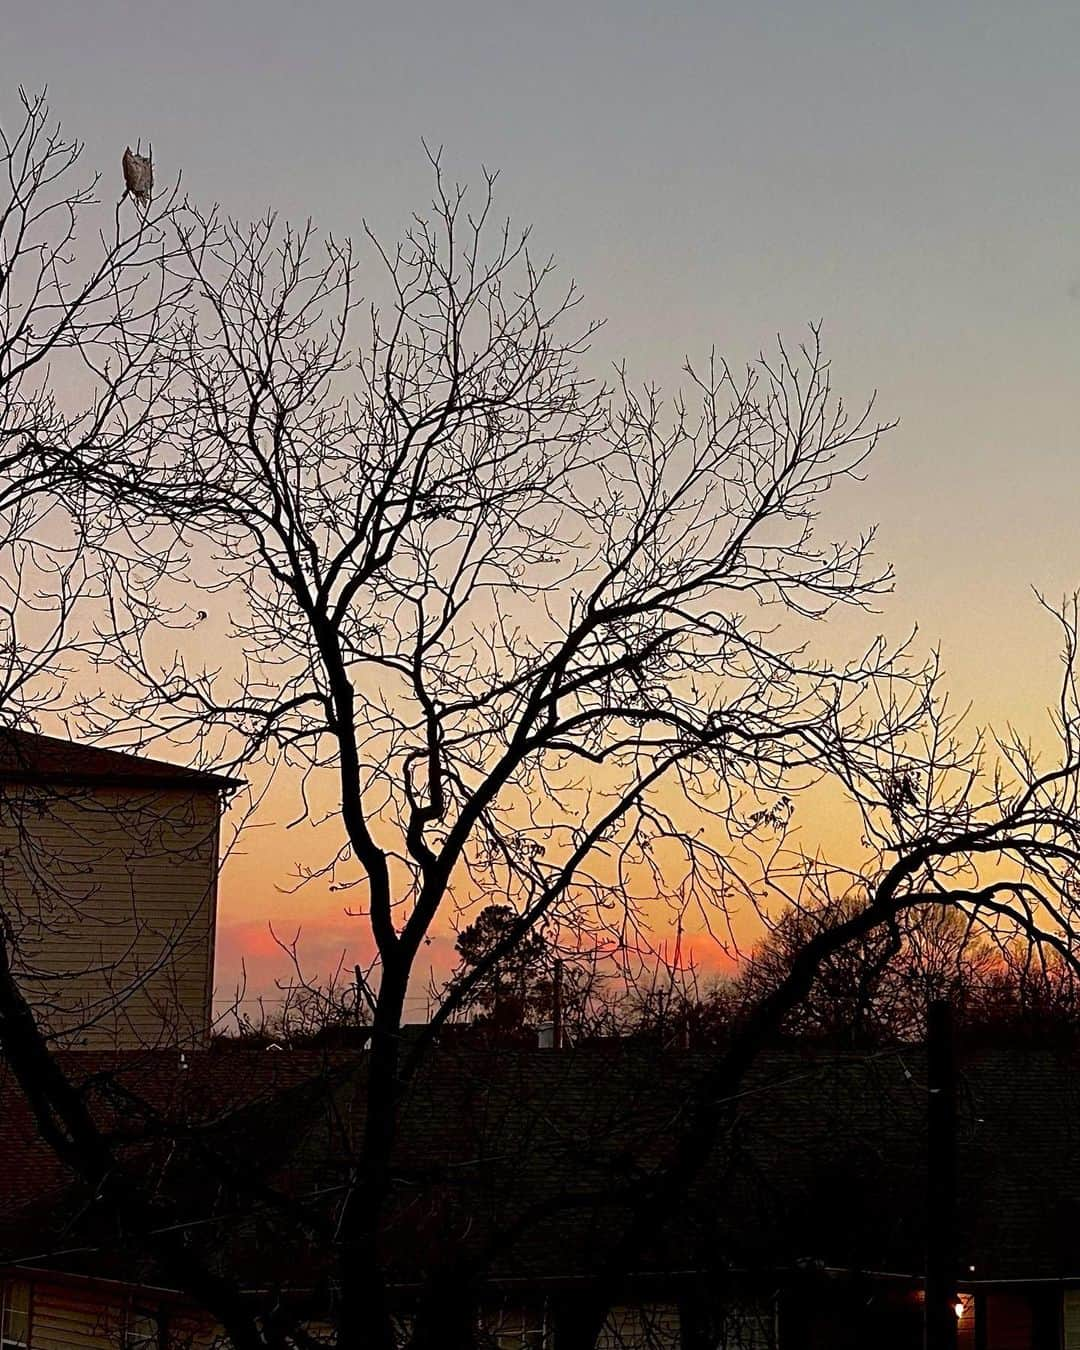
(652,1326)
(73,1319)
(1070,1319)
(90,1315)
(84,1315)
(112,893)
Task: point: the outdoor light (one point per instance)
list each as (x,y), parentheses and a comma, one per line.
(958,1308)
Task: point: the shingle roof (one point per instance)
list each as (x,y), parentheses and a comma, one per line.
(46,1216)
(826,1164)
(26,756)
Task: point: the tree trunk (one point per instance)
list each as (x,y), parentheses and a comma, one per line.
(366,1321)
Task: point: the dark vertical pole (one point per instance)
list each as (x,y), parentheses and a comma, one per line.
(941,1263)
(556,1007)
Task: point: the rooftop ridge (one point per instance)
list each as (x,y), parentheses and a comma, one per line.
(29,756)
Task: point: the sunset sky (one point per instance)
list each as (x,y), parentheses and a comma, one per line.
(712,174)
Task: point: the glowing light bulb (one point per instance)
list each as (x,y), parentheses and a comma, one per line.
(958,1308)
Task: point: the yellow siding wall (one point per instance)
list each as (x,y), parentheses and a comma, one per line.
(70,1318)
(112,893)
(651,1327)
(85,1316)
(1070,1319)
(658,1326)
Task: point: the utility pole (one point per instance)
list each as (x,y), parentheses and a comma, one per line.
(556,1006)
(941,1217)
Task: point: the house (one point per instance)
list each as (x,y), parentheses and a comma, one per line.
(108,868)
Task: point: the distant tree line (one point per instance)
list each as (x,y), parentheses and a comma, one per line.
(870,993)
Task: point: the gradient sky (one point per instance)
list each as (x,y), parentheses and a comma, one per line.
(710,173)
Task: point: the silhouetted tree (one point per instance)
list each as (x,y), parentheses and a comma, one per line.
(460,573)
(877,988)
(526,634)
(517,990)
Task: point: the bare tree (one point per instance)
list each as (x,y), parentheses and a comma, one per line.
(523,618)
(546,643)
(878,988)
